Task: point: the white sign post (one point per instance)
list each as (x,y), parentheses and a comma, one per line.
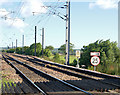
(78,56)
(95,60)
(77,53)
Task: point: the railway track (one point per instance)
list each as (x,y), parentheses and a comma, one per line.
(89,79)
(28,86)
(45,82)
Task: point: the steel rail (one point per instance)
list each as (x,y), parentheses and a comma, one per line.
(74,69)
(51,77)
(82,71)
(24,76)
(77,69)
(74,74)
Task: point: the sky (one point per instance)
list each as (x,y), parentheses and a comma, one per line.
(91,20)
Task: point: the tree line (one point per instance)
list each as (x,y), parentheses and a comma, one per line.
(48,52)
(31,50)
(109,55)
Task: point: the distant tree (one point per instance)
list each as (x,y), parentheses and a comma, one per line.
(49,47)
(32,49)
(109,56)
(3,50)
(63,48)
(19,50)
(47,52)
(56,56)
(74,63)
(26,50)
(11,51)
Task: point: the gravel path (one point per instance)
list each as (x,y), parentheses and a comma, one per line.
(8,73)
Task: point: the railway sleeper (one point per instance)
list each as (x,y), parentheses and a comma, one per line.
(109,87)
(87,82)
(46,75)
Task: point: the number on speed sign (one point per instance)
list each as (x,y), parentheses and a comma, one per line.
(95,60)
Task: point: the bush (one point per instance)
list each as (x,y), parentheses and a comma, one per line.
(11,51)
(47,52)
(19,50)
(3,50)
(109,56)
(74,63)
(56,56)
(31,50)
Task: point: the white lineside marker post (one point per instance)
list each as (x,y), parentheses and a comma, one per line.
(78,56)
(95,60)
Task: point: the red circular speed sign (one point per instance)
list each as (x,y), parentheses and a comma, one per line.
(95,60)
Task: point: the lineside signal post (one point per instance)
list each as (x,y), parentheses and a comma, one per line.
(95,60)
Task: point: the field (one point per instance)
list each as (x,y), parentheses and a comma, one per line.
(62,57)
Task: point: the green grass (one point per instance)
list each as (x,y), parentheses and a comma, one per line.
(72,57)
(4,80)
(51,57)
(62,57)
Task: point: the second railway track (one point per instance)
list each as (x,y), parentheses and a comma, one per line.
(88,81)
(46,82)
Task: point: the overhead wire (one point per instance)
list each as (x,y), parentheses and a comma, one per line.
(6,19)
(46,16)
(39,18)
(21,5)
(35,18)
(51,11)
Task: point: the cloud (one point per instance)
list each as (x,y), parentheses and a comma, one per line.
(18,23)
(21,30)
(8,21)
(26,10)
(27,6)
(31,6)
(105,4)
(3,12)
(15,24)
(3,1)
